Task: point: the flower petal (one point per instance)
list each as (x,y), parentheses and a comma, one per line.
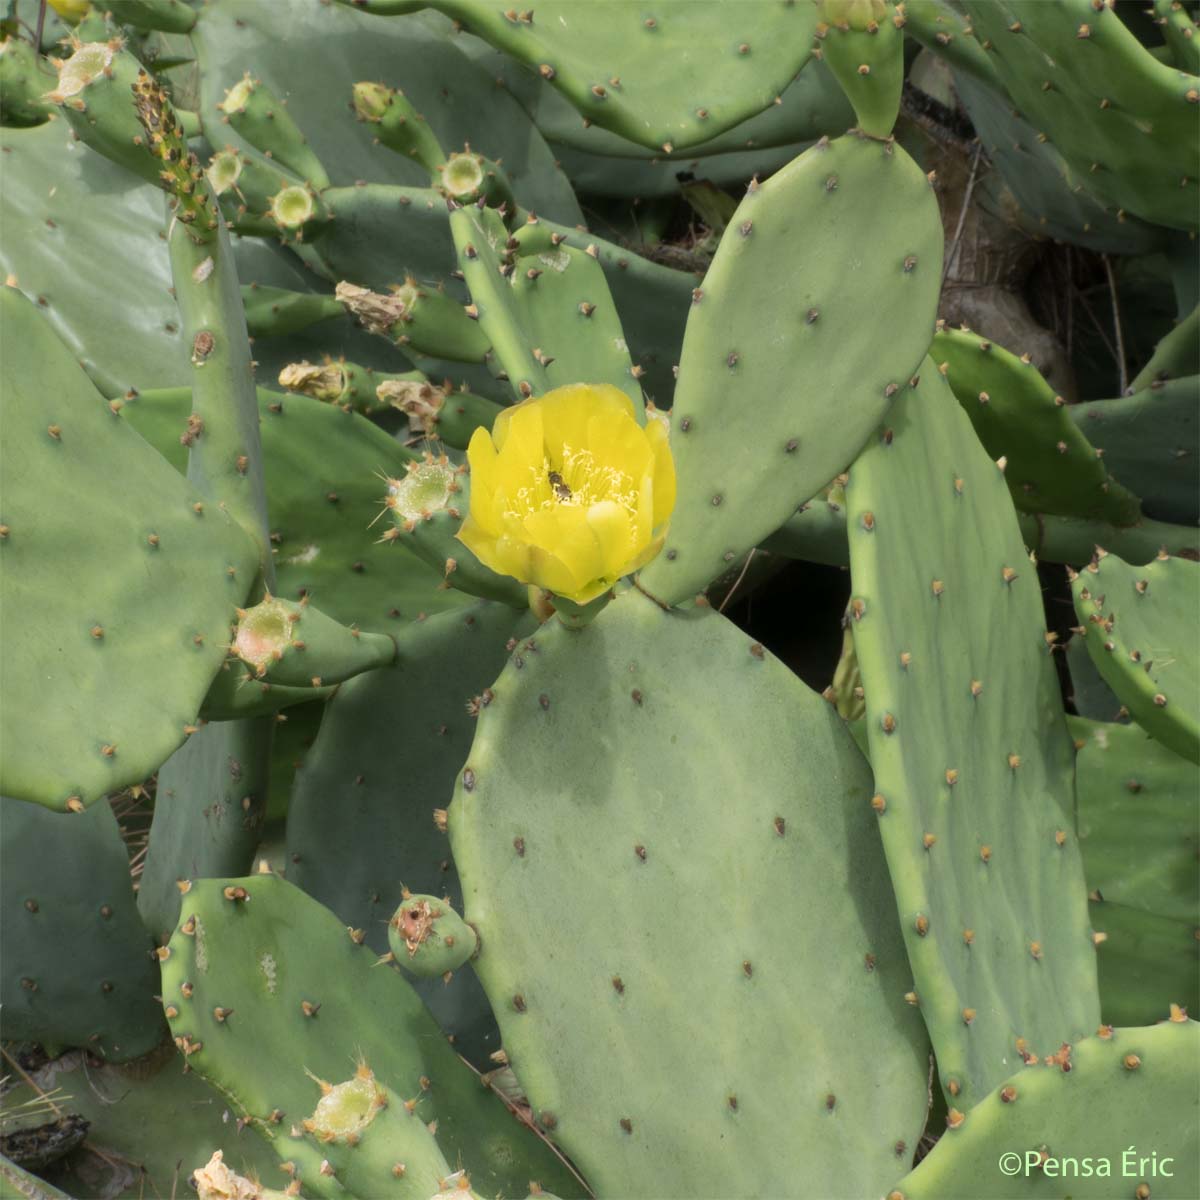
(619,442)
(481,457)
(482,543)
(613,530)
(563,530)
(664,472)
(566,412)
(607,516)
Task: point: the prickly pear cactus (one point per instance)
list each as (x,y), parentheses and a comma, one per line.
(1112,108)
(1100,1102)
(91,634)
(79,968)
(775,345)
(1138,629)
(972,761)
(1049,465)
(608,61)
(274,1001)
(386,756)
(679,885)
(528,664)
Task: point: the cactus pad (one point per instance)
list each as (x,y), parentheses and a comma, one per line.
(459,100)
(608,59)
(1144,961)
(323,469)
(863,46)
(78,964)
(1125,121)
(1151,443)
(645,914)
(268,995)
(804,329)
(1122,1088)
(297,645)
(138,585)
(1050,467)
(1136,816)
(969,747)
(210,807)
(1140,625)
(389,747)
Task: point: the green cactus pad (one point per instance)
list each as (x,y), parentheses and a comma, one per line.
(428,938)
(572,319)
(78,964)
(237,692)
(1090,695)
(812,104)
(652,300)
(389,748)
(646,914)
(1177,355)
(944,31)
(259,116)
(1145,961)
(1151,443)
(1041,193)
(295,732)
(1123,1090)
(970,751)
(94,95)
(1140,629)
(272,311)
(209,810)
(459,100)
(63,202)
(397,125)
(269,990)
(480,242)
(813,315)
(1125,122)
(865,52)
(135,585)
(1179,32)
(1136,820)
(169,16)
(383,233)
(324,469)
(295,644)
(608,60)
(24,81)
(1050,465)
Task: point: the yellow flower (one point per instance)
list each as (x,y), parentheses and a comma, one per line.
(569,492)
